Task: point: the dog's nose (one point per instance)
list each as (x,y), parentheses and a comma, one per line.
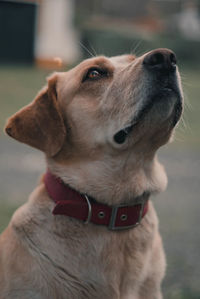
(160,60)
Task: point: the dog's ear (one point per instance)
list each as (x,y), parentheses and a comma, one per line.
(40,124)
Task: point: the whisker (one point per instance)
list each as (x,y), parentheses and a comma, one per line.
(86,49)
(134,50)
(93,49)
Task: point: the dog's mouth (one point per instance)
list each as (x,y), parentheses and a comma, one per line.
(165,93)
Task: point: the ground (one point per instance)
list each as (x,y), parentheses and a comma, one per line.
(178,207)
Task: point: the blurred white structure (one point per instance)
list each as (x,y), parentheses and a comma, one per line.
(56,36)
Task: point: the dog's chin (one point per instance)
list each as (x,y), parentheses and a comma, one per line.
(164,107)
(160,106)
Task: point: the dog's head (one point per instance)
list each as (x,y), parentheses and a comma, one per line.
(104,106)
(117,102)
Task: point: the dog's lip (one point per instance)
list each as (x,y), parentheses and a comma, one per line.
(168,88)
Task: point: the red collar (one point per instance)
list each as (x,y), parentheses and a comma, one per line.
(80,206)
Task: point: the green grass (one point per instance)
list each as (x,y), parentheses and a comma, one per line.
(6,212)
(19,85)
(189,128)
(182,293)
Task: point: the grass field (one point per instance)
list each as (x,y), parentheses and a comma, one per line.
(19,85)
(6,211)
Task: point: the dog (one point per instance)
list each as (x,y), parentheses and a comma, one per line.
(89,229)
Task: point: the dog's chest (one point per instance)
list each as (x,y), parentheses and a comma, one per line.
(74,260)
(95,262)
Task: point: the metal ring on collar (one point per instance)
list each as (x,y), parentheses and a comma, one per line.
(89,210)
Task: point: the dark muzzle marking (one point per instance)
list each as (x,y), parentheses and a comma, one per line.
(120,136)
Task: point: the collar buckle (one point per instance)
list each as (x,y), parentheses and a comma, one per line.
(112,224)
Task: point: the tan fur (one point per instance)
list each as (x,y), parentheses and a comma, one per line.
(45,256)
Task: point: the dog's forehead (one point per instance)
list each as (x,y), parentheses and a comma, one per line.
(99,60)
(122,60)
(103,61)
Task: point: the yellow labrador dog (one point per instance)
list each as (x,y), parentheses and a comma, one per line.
(89,229)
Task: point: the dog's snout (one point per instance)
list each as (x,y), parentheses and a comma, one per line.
(160,60)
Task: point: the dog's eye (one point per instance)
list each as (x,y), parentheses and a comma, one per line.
(94,74)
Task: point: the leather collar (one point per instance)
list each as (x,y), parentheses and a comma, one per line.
(71,203)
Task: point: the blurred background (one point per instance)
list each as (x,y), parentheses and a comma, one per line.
(34,33)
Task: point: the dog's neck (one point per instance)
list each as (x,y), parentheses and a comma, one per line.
(111,182)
